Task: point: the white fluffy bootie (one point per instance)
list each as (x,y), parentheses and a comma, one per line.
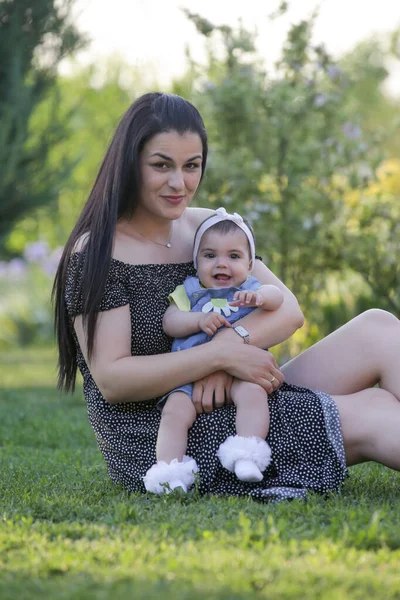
(247,457)
(175,474)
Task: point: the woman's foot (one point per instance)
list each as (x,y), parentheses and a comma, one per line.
(164,477)
(247,457)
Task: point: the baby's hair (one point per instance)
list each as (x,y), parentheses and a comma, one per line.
(226,226)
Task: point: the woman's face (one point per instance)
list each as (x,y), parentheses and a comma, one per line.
(171,166)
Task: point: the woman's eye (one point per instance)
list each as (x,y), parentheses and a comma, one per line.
(160,165)
(192,166)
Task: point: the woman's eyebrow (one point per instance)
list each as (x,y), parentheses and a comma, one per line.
(166,157)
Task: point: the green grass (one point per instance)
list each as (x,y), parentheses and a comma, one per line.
(67,533)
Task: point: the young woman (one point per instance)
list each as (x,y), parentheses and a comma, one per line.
(132,245)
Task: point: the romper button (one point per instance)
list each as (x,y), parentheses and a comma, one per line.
(195,295)
(178,348)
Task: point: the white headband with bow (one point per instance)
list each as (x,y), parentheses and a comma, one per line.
(222,215)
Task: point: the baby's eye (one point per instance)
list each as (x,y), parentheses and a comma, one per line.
(209,255)
(234,255)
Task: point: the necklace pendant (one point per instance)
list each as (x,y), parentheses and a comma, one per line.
(168,245)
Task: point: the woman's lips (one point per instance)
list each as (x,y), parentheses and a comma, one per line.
(174,199)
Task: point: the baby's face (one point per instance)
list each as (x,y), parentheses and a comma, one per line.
(224,259)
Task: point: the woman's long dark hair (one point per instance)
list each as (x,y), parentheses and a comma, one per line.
(114,196)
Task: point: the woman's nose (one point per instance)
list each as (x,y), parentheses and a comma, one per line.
(176,180)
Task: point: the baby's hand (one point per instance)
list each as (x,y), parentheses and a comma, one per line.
(247,298)
(210,322)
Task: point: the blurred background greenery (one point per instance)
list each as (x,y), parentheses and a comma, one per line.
(308,151)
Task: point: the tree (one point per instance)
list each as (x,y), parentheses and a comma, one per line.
(286,149)
(92,101)
(35,35)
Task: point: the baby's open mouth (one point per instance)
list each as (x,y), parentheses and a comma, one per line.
(221,277)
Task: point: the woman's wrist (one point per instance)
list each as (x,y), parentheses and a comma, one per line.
(225,335)
(220,354)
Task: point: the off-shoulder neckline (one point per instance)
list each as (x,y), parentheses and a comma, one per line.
(173,264)
(126,264)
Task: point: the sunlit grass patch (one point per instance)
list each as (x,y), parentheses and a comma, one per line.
(67,532)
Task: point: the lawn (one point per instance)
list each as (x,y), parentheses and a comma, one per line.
(67,533)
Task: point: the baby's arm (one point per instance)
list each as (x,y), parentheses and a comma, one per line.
(179,323)
(267,297)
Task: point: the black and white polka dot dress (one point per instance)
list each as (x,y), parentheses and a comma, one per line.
(305,434)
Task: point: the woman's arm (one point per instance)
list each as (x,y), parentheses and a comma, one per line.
(268,328)
(122,377)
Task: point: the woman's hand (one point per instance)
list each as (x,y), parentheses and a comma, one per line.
(212,392)
(252,364)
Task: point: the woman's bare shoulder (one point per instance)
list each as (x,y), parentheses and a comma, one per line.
(81,243)
(196,215)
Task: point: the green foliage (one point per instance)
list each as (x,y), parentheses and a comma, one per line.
(371,225)
(26,315)
(287,147)
(67,532)
(91,103)
(298,150)
(35,35)
(366,67)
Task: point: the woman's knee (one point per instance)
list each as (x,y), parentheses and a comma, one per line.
(378,332)
(376,318)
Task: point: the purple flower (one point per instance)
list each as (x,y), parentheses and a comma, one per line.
(320,100)
(16,268)
(333,72)
(330,141)
(35,252)
(351,130)
(50,264)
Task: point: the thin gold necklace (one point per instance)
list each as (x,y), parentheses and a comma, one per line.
(167,245)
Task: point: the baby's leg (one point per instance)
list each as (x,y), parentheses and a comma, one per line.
(247,453)
(252,412)
(177,418)
(173,469)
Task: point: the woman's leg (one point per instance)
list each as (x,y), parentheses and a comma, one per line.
(361,354)
(370,424)
(177,417)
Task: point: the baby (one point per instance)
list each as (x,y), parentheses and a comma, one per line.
(223,292)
